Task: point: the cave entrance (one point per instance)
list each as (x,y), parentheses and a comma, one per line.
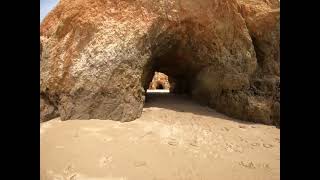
(177,53)
(171,73)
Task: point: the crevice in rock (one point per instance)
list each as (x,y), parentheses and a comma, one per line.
(48,107)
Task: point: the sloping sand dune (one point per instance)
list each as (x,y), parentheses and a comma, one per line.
(174,139)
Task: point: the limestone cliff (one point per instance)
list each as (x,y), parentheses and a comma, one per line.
(98,56)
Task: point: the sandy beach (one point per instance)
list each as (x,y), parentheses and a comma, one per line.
(175,139)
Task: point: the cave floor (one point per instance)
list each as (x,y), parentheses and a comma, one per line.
(174,139)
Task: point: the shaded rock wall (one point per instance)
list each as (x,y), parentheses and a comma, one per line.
(99,56)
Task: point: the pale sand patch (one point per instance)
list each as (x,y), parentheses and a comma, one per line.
(174,139)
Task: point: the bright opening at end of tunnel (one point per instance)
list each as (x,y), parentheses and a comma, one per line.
(159,84)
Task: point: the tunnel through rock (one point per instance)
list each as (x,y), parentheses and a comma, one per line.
(209,56)
(176,66)
(173,54)
(191,56)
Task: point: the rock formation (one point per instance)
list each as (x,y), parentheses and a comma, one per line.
(159,81)
(98,56)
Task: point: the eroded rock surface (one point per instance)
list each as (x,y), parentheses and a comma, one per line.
(98,56)
(48,109)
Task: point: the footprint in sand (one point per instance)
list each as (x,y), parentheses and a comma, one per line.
(68,169)
(105,160)
(72,177)
(69,172)
(139,163)
(255,144)
(233,148)
(265,165)
(194,142)
(243,140)
(267,145)
(229,149)
(107,139)
(249,165)
(172,142)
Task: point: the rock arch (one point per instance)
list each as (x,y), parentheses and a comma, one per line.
(159,81)
(101,55)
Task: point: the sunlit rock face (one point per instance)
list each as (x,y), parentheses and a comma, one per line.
(98,57)
(159,81)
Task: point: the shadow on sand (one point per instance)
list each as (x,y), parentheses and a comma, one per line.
(183,103)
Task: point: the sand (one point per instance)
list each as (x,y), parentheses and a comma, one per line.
(175,139)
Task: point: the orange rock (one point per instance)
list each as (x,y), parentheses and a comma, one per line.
(98,56)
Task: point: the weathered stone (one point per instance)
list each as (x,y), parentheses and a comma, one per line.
(100,55)
(48,109)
